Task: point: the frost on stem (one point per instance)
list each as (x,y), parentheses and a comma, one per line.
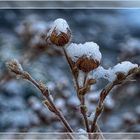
(60,33)
(118,72)
(14,66)
(87,56)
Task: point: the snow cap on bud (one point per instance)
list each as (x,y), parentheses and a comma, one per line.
(124,68)
(119,72)
(86,56)
(60,33)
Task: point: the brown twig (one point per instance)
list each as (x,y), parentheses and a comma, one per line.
(16,68)
(99,107)
(74,73)
(83,107)
(45,92)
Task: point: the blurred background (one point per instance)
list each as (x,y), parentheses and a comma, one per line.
(117,32)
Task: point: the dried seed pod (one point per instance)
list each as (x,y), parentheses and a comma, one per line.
(86,56)
(121,76)
(87,64)
(60,39)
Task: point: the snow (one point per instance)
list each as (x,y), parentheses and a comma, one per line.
(81,78)
(88,49)
(107,74)
(124,67)
(110,74)
(59,25)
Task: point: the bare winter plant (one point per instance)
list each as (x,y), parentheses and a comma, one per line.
(85,64)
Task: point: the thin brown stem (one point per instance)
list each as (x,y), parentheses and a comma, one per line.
(85,78)
(84,113)
(71,68)
(99,107)
(81,98)
(45,92)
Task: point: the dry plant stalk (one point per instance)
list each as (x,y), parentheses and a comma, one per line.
(83,58)
(15,67)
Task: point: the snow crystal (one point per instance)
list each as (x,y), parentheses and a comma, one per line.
(88,49)
(59,25)
(110,74)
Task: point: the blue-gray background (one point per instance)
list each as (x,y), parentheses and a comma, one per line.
(117,32)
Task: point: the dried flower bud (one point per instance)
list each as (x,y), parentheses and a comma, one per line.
(120,76)
(86,64)
(86,56)
(60,33)
(14,66)
(60,39)
(123,69)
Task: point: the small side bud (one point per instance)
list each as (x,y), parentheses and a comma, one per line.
(134,71)
(46,103)
(91,81)
(14,66)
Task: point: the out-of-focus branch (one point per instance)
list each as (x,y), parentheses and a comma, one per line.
(16,68)
(99,107)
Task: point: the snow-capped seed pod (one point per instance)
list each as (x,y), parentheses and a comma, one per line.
(60,33)
(124,69)
(86,56)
